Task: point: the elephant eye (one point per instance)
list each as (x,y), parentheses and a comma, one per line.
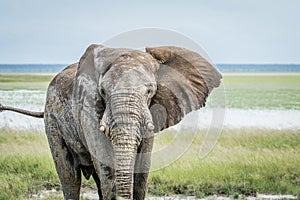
(125,56)
(149,92)
(102,92)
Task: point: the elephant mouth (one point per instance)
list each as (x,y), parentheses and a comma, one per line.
(104,128)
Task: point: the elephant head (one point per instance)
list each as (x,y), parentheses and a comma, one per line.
(123,96)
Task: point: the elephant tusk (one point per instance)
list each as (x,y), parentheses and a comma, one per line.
(102,128)
(150,126)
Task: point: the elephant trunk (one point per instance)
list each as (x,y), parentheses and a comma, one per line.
(125,147)
(126,119)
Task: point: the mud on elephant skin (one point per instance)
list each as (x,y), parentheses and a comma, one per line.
(102,112)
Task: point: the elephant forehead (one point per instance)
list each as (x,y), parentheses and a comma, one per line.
(124,76)
(135,58)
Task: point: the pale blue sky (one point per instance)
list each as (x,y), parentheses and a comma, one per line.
(231,31)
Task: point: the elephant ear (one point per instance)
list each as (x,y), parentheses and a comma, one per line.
(87,103)
(88,108)
(184,81)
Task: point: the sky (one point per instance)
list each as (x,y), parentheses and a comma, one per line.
(230,31)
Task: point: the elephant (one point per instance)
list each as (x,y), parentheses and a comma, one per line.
(101,113)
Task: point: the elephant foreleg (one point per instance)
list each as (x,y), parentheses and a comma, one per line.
(69,176)
(142,167)
(97,180)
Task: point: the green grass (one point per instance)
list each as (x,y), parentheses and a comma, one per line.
(244,162)
(24,81)
(26,165)
(267,91)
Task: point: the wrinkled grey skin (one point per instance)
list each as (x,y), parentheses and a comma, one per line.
(101,113)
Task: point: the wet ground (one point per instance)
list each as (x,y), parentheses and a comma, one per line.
(49,194)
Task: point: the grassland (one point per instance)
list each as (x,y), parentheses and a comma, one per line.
(25,164)
(262,91)
(25,81)
(244,162)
